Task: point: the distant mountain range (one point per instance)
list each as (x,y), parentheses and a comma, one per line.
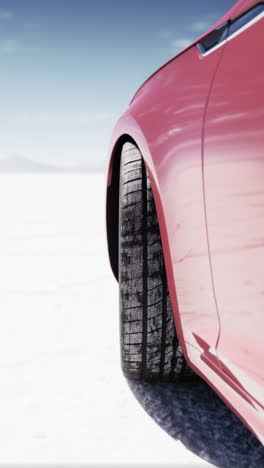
(21,164)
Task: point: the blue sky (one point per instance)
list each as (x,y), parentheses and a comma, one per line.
(70,67)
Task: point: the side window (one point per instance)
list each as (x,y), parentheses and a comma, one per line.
(245,21)
(230,29)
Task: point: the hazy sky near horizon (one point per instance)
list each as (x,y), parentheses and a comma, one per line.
(70,67)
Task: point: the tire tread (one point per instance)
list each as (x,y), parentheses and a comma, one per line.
(149,345)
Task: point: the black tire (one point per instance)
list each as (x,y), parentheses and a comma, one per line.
(150,348)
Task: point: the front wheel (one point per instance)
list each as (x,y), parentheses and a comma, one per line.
(150,348)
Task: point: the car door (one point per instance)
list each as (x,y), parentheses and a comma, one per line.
(234,199)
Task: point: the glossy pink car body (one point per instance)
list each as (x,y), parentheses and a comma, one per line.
(199,123)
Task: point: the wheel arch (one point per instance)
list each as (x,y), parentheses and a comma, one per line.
(112,213)
(112,196)
(112,201)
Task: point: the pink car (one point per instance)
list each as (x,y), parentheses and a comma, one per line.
(185,217)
